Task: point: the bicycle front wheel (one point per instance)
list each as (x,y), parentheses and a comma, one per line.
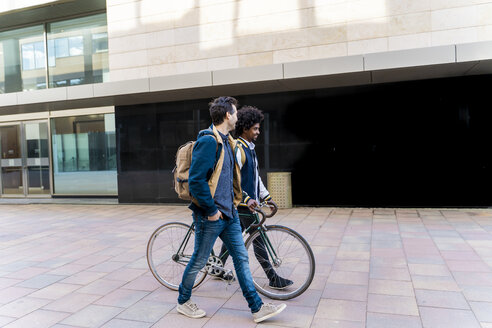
(281,262)
(168,252)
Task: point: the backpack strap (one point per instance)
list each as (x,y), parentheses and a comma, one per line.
(240,154)
(209,132)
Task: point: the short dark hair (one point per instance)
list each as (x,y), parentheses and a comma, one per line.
(220,106)
(247,116)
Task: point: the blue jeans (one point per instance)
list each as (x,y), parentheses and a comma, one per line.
(206,233)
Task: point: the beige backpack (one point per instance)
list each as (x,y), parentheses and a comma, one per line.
(181,170)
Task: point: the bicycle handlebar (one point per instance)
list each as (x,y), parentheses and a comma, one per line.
(273,206)
(263,218)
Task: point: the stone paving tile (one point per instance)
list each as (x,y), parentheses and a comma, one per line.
(5,320)
(55,291)
(447,318)
(180,321)
(482,310)
(326,323)
(38,319)
(65,265)
(392,304)
(72,303)
(389,273)
(382,320)
(22,306)
(441,299)
(391,287)
(119,323)
(121,298)
(147,311)
(345,292)
(92,316)
(348,278)
(341,310)
(10,294)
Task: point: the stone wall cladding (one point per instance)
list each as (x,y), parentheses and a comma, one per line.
(150,38)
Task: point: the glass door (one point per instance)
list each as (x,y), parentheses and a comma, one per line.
(25,164)
(37,168)
(11,160)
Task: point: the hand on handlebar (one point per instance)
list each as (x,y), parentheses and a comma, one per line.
(252,204)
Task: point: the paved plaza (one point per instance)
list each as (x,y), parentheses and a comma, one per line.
(64,265)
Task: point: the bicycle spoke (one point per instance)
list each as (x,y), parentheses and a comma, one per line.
(286,269)
(168,241)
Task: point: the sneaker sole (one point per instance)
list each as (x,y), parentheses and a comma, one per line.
(219,278)
(280,288)
(280,309)
(197,316)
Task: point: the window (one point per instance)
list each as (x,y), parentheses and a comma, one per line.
(80,48)
(22,60)
(84,155)
(33,56)
(77,51)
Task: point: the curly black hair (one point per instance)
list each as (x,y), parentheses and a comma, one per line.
(247,116)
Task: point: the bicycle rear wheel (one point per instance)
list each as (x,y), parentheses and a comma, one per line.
(280,252)
(169,250)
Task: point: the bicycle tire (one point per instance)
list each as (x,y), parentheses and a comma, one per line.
(162,246)
(295,262)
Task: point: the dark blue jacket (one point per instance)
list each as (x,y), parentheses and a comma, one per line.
(203,176)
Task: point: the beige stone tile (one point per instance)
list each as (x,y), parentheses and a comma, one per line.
(128,59)
(364,10)
(397,7)
(367,46)
(442,4)
(291,39)
(215,64)
(290,55)
(254,43)
(410,24)
(410,41)
(454,18)
(256,59)
(331,13)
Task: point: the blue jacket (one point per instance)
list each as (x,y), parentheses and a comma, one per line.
(206,165)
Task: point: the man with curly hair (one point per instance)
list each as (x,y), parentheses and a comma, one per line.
(247,132)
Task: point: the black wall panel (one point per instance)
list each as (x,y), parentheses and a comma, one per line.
(408,144)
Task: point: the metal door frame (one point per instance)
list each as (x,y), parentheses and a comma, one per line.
(23,152)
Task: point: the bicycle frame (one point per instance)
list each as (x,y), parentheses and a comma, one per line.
(264,237)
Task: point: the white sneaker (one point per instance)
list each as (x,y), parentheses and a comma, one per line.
(268,310)
(190,310)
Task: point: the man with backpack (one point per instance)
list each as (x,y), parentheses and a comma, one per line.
(215,186)
(247,131)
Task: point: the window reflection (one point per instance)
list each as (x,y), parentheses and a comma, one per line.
(84,155)
(77,51)
(22,60)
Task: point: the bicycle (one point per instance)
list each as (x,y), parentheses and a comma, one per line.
(170,247)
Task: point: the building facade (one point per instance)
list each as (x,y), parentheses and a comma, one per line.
(366,102)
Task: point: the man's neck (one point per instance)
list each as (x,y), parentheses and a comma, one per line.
(245,138)
(223,128)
